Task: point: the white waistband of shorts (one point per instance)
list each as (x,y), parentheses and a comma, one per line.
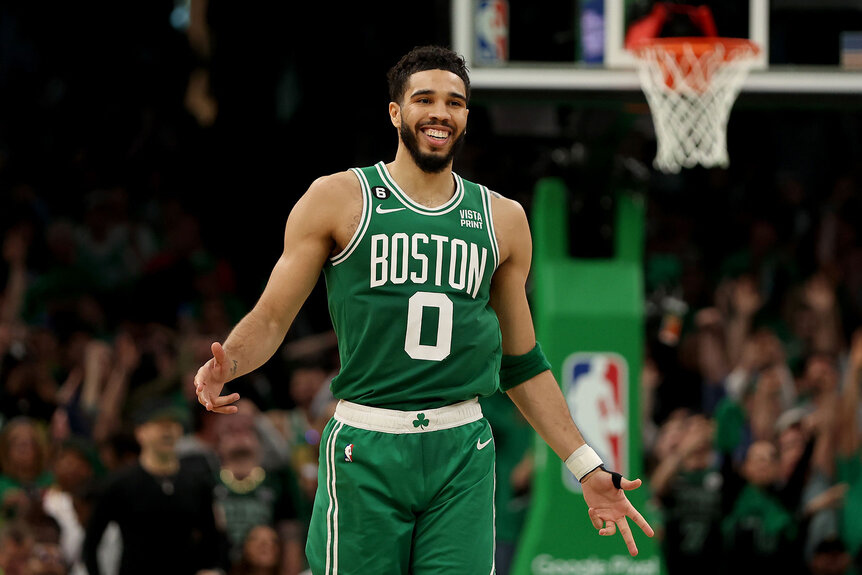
(418,421)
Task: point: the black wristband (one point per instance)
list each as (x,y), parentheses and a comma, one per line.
(616,478)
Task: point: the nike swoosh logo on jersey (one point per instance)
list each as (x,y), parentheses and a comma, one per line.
(382,210)
(480,445)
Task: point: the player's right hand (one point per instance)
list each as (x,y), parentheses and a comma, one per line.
(210,380)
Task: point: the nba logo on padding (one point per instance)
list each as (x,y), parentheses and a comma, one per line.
(596,389)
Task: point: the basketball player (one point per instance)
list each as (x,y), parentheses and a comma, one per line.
(425,275)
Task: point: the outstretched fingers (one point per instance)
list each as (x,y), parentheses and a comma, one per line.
(626,532)
(224,404)
(634,514)
(610,509)
(639,520)
(209,381)
(623,525)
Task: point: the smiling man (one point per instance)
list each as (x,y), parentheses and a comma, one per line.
(425,274)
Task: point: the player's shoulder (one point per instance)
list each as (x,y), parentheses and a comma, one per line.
(510,225)
(506,210)
(330,194)
(330,205)
(333,186)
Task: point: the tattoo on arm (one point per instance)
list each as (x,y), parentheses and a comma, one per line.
(233,369)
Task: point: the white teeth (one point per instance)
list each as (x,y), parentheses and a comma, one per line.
(436,133)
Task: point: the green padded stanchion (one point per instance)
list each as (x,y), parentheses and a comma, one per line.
(589,316)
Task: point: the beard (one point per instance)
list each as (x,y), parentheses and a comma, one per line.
(429,163)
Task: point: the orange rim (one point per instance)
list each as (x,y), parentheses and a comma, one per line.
(733,47)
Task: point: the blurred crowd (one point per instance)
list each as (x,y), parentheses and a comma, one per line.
(100,432)
(752,383)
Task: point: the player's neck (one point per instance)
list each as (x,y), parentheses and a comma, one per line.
(428,189)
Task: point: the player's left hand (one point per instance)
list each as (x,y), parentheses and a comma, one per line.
(609,506)
(210,380)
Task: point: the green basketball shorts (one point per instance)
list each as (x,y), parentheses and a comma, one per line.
(404,492)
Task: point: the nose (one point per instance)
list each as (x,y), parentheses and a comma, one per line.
(440,111)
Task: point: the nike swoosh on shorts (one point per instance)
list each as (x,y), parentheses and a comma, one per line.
(480,445)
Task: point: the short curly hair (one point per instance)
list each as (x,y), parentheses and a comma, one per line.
(423,58)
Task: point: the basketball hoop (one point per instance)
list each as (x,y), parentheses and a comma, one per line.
(691,85)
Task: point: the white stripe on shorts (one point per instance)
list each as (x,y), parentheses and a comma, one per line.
(332,510)
(417,421)
(494,523)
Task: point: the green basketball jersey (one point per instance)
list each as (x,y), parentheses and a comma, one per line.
(408,298)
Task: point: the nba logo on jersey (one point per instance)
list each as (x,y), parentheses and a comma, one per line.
(596,390)
(348,453)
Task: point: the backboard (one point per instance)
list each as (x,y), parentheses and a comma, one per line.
(807,46)
(748,19)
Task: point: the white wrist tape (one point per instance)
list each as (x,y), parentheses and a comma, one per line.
(582,461)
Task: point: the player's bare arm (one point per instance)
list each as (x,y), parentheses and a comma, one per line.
(539,398)
(319,225)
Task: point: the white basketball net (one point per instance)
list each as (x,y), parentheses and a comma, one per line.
(690,98)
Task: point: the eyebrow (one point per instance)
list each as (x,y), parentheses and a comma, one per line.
(425,92)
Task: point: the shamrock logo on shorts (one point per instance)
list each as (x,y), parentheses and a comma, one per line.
(420,421)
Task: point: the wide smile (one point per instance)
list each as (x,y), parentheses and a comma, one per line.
(437,136)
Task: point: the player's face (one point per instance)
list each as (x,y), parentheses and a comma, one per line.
(433,117)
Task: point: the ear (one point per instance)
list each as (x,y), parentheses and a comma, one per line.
(395,114)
